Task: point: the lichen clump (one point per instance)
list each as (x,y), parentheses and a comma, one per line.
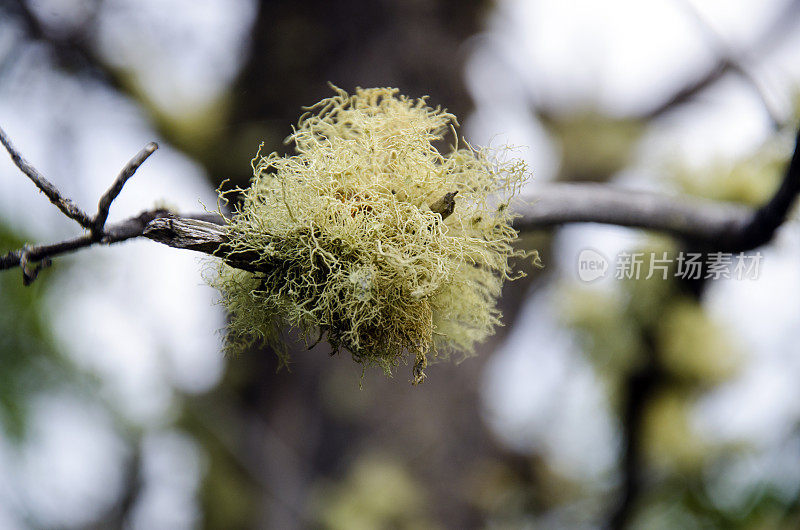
(348,238)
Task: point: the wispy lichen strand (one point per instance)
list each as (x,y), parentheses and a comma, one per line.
(346,244)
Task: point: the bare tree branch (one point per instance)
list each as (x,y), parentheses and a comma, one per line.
(116,233)
(66,206)
(31,259)
(188,233)
(713,224)
(71,49)
(115,189)
(684,217)
(201,234)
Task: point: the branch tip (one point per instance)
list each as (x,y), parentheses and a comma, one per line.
(108,197)
(67,207)
(446,205)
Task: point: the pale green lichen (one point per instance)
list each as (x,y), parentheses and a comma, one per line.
(345,243)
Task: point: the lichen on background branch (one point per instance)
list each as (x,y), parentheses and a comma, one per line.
(372,236)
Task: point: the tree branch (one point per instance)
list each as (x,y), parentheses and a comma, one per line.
(768,218)
(189,233)
(71,49)
(66,206)
(711,224)
(108,197)
(715,225)
(735,60)
(685,217)
(116,233)
(201,234)
(31,259)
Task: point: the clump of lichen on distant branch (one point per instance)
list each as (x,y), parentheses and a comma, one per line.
(349,237)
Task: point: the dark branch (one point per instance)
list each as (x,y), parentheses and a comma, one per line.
(187,233)
(116,233)
(201,235)
(115,189)
(638,390)
(684,217)
(711,224)
(41,255)
(66,206)
(735,61)
(761,227)
(691,89)
(71,49)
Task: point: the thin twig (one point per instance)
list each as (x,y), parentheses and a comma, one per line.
(115,189)
(66,206)
(734,59)
(116,233)
(775,31)
(42,254)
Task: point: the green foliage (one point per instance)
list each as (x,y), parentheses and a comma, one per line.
(28,359)
(594,146)
(603,328)
(377,493)
(693,346)
(749,180)
(345,242)
(669,440)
